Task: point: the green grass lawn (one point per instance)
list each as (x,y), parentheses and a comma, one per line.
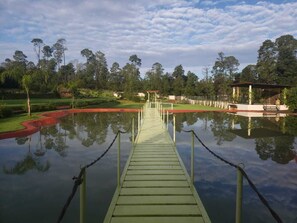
(42,101)
(14,123)
(194,107)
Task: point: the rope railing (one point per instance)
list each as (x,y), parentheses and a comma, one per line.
(81,176)
(242,171)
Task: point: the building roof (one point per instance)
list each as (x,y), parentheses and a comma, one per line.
(259,85)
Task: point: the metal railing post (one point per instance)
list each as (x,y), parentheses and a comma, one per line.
(167,119)
(192,159)
(82,202)
(174,128)
(119,159)
(138,122)
(141,116)
(238,196)
(133,133)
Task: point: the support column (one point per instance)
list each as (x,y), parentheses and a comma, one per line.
(233,94)
(250,94)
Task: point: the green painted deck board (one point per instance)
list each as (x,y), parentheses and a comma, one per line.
(157,219)
(155,183)
(156,167)
(156,210)
(155,187)
(171,163)
(155,172)
(156,191)
(154,155)
(155,177)
(156,199)
(154,159)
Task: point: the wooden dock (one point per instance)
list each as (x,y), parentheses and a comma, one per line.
(155,186)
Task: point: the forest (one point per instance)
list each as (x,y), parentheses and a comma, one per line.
(276,64)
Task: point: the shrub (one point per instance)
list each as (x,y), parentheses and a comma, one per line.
(5,111)
(292,99)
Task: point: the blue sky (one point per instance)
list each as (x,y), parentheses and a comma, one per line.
(170,32)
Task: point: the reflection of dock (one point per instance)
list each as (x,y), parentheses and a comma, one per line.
(155,186)
(259,114)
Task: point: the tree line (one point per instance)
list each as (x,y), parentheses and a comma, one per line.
(276,64)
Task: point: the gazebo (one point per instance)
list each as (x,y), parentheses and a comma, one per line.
(273,100)
(154,92)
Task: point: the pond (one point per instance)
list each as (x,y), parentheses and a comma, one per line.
(267,149)
(37,171)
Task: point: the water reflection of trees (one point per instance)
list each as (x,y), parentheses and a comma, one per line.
(29,162)
(88,128)
(278,148)
(219,123)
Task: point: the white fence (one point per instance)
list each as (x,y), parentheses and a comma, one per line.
(217,104)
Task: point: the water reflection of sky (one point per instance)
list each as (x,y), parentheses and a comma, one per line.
(275,177)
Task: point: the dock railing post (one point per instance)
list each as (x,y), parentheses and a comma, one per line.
(138,123)
(238,196)
(133,133)
(82,202)
(192,159)
(174,128)
(119,159)
(167,118)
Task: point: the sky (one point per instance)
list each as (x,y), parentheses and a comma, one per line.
(171,32)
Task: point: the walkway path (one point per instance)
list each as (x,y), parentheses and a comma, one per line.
(155,187)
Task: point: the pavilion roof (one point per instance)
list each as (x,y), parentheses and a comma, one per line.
(259,85)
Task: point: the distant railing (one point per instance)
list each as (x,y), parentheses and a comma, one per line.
(211,103)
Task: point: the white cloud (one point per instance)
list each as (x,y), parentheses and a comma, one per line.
(171,32)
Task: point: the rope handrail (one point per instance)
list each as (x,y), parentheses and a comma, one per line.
(252,185)
(79,180)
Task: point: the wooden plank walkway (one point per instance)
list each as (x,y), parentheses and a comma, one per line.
(155,187)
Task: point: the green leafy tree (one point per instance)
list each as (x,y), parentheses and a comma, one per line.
(115,81)
(179,80)
(20,70)
(153,77)
(38,44)
(26,83)
(15,69)
(88,72)
(292,99)
(191,84)
(224,71)
(131,76)
(166,81)
(266,64)
(66,73)
(286,65)
(59,49)
(249,74)
(205,85)
(101,70)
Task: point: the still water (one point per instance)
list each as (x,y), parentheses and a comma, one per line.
(36,171)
